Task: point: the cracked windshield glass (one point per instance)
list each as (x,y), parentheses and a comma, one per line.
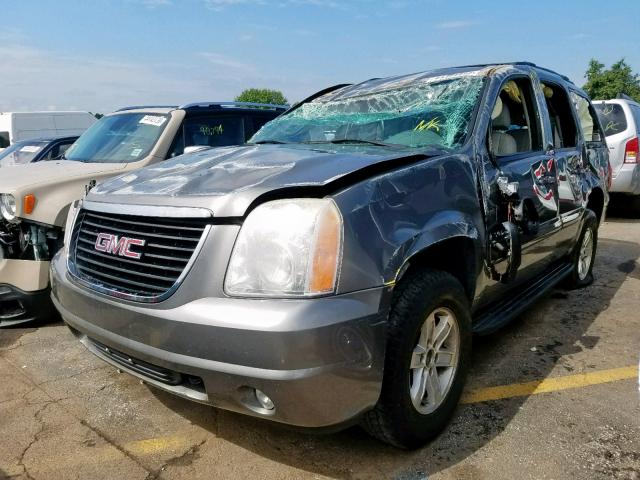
(427,113)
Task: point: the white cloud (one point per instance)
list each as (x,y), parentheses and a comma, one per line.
(39,79)
(221,4)
(580,36)
(456,24)
(223,61)
(152,4)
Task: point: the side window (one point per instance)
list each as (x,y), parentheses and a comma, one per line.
(56,151)
(636,116)
(586,118)
(62,148)
(4,139)
(515,122)
(563,125)
(218,131)
(258,122)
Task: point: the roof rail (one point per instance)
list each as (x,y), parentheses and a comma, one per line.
(528,64)
(531,64)
(235,104)
(138,107)
(624,96)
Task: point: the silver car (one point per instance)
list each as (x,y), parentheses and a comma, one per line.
(620,119)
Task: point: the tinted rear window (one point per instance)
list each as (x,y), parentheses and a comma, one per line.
(612,118)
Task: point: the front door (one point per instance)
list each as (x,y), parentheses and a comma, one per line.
(516,143)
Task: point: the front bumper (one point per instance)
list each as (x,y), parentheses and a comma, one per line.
(18,306)
(319,360)
(24,292)
(627,179)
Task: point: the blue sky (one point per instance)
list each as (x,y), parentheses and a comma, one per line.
(99,55)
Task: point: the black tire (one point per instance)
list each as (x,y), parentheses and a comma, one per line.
(574,280)
(394,419)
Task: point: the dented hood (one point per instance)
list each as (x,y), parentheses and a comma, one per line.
(228,180)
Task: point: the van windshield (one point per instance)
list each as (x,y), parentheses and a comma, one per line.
(427,113)
(121,138)
(20,153)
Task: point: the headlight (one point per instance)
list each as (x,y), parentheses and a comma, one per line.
(8,206)
(71,220)
(287,248)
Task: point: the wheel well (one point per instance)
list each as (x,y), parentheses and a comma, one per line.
(456,256)
(596,202)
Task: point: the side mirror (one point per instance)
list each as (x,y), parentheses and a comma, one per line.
(194,148)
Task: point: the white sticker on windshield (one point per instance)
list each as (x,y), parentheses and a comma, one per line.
(135,152)
(154,120)
(30,149)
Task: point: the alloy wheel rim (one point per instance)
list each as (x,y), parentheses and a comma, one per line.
(434,360)
(585,255)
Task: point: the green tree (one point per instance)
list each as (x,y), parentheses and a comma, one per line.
(262,95)
(603,84)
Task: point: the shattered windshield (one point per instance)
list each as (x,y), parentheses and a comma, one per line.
(428,113)
(121,138)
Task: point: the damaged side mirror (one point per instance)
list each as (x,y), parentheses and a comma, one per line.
(505,252)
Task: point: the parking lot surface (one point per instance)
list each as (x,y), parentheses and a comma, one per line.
(552,396)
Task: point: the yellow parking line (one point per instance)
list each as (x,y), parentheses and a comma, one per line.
(153,445)
(549,384)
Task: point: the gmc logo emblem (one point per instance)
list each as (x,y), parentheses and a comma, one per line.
(120,246)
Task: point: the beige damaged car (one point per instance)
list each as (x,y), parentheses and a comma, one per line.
(35,198)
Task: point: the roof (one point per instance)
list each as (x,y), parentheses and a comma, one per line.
(49,139)
(206,105)
(376,85)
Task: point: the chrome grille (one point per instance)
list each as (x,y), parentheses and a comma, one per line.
(169,245)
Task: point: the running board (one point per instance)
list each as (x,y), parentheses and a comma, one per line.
(498,315)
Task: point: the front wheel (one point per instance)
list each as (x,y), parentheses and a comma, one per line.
(428,348)
(584,253)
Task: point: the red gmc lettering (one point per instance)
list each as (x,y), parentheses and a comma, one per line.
(121,246)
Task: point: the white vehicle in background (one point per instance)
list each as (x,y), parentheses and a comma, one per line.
(620,119)
(18,126)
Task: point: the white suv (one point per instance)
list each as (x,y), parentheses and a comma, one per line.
(620,119)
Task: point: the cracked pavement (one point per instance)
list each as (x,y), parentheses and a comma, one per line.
(64,414)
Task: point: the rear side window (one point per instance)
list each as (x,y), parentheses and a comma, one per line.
(214,131)
(563,125)
(612,118)
(4,139)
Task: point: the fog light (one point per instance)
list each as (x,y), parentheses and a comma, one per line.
(264,401)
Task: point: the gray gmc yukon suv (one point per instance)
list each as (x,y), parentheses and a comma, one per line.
(334,269)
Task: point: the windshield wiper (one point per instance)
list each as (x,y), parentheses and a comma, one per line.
(353,141)
(268,142)
(358,140)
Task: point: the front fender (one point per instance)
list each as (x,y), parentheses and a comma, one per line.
(444,226)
